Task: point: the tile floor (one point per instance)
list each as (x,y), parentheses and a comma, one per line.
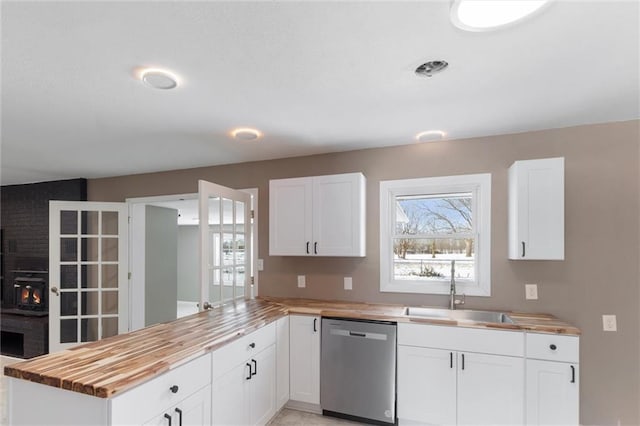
(287,417)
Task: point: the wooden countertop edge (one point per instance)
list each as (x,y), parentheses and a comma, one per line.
(539,323)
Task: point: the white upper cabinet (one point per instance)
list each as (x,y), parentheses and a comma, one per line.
(536,209)
(317,216)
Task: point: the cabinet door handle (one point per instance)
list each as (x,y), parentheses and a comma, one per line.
(308,247)
(450,359)
(255,367)
(315,325)
(573,374)
(179,411)
(463,361)
(523,250)
(168,417)
(315,248)
(250,373)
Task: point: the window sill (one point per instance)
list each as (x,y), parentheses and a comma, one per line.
(434,288)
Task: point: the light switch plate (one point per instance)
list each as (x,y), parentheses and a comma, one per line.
(609,323)
(348,283)
(302,282)
(260,265)
(531,291)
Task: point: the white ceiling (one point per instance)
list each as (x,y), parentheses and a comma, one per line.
(313,76)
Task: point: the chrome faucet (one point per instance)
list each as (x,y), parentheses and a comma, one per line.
(453,302)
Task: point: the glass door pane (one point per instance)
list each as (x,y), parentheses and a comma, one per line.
(224,243)
(88,266)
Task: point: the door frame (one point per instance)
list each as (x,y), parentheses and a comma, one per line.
(137,249)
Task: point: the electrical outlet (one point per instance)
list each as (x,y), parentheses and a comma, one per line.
(302,282)
(531,291)
(348,283)
(260,265)
(609,323)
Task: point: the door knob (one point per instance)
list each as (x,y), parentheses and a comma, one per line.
(54,290)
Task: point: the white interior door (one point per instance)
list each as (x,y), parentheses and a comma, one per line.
(87,272)
(225,244)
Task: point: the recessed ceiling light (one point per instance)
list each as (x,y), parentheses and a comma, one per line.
(158,78)
(430,136)
(246,134)
(485,15)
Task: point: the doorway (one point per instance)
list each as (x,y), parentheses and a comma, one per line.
(155,295)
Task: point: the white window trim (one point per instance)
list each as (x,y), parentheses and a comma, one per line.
(480,185)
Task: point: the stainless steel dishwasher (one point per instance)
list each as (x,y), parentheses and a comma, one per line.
(358,370)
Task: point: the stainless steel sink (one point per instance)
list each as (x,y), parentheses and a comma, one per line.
(459,315)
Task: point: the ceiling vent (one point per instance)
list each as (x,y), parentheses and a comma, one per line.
(432,67)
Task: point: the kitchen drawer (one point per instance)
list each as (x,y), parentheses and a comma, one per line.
(510,343)
(553,347)
(238,351)
(150,398)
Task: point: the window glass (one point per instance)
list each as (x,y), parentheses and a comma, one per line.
(432,229)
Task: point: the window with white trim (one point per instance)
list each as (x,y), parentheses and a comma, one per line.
(431,228)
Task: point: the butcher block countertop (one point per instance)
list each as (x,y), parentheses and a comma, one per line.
(113,365)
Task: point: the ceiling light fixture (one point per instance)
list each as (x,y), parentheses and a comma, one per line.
(486,15)
(158,78)
(246,134)
(430,136)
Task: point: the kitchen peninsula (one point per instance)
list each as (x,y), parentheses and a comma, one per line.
(130,378)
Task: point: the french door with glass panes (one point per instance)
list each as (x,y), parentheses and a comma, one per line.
(225,244)
(87,272)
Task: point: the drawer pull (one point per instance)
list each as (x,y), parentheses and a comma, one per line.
(174,389)
(573,374)
(168,417)
(179,411)
(252,345)
(553,347)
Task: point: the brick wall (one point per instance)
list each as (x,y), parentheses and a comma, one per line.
(25,226)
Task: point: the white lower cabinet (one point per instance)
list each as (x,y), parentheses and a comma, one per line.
(244,380)
(195,410)
(490,389)
(455,385)
(426,385)
(552,392)
(304,359)
(181,396)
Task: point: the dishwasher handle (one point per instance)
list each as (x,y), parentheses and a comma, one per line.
(358,334)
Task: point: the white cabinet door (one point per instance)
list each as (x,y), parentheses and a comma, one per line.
(194,410)
(229,396)
(290,217)
(426,386)
(339,215)
(552,393)
(317,216)
(536,209)
(262,387)
(490,389)
(282,362)
(304,353)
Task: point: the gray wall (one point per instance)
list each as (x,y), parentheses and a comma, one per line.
(188,286)
(599,275)
(161,264)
